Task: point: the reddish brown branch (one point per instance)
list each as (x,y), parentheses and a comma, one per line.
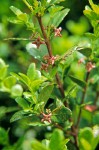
(45,37)
(60,86)
(59,83)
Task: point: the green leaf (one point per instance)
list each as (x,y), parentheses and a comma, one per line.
(78,81)
(96,137)
(3,69)
(85,51)
(36,145)
(43,2)
(94,7)
(57,141)
(4,139)
(38,53)
(24,78)
(53,9)
(3,72)
(15,21)
(21,77)
(2,63)
(28,5)
(91,15)
(16,11)
(61,114)
(53,71)
(85,141)
(9,82)
(95,118)
(51,2)
(4,110)
(32,73)
(18,115)
(22,102)
(45,94)
(23,17)
(36,83)
(58,17)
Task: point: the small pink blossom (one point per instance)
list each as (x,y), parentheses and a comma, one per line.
(44,67)
(90,66)
(90,108)
(81,60)
(46,117)
(50,59)
(38,42)
(57,31)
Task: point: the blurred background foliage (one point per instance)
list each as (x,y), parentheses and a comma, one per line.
(16,56)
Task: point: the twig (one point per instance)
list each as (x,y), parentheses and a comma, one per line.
(82,101)
(60,85)
(45,36)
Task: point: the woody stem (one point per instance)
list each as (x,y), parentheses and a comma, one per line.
(47,41)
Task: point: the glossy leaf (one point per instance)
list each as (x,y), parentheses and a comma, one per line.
(22,102)
(15,21)
(18,115)
(36,145)
(95,118)
(51,2)
(31,71)
(16,11)
(3,72)
(53,9)
(57,141)
(28,5)
(85,51)
(9,82)
(85,141)
(94,7)
(61,114)
(78,81)
(3,69)
(58,17)
(37,53)
(36,83)
(45,94)
(96,137)
(22,77)
(23,17)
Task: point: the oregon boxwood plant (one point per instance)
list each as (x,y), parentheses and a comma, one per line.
(52,93)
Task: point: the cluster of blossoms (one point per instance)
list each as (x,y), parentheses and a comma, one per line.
(89,65)
(81,60)
(38,42)
(46,117)
(50,60)
(57,31)
(90,108)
